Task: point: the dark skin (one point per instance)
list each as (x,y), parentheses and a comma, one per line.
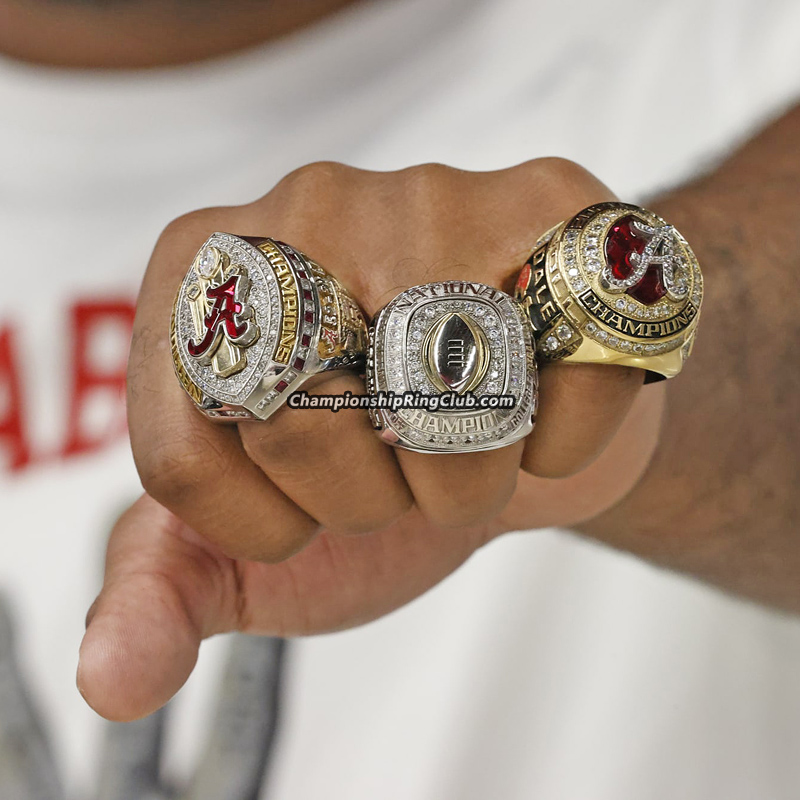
(732,418)
(697,475)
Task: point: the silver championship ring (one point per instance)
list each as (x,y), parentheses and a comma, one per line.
(452,366)
(254,318)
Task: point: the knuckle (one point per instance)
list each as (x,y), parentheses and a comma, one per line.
(315,176)
(558,169)
(173,474)
(429,178)
(187,227)
(566,179)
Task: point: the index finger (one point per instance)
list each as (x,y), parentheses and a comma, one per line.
(196,469)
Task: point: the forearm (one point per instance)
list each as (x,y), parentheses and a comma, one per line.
(720,498)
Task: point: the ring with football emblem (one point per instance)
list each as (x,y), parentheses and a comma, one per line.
(457,359)
(254,318)
(615,284)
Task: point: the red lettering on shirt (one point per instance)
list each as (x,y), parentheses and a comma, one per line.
(89,321)
(12,419)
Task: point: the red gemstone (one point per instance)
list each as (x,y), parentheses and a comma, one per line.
(309,316)
(524,279)
(306,340)
(281,386)
(650,288)
(621,243)
(299,363)
(307,294)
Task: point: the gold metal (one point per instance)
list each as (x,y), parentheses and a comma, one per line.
(343,329)
(194,391)
(290,301)
(582,313)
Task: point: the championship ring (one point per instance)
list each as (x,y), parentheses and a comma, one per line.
(456,362)
(615,284)
(254,318)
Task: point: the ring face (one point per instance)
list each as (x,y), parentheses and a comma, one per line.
(253,319)
(614,284)
(453,338)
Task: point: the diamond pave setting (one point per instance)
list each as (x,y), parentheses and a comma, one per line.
(272,366)
(494,355)
(611,311)
(264,299)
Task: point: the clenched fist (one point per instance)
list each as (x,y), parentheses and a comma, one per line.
(307,522)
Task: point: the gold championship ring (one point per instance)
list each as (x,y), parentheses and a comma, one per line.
(615,284)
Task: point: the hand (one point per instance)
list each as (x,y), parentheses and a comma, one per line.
(307,522)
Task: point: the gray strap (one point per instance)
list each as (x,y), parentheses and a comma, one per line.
(27,768)
(234,763)
(131,760)
(237,756)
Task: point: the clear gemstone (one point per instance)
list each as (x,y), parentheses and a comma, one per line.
(551,343)
(207,262)
(564,333)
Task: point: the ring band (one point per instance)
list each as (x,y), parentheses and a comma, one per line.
(454,339)
(615,284)
(254,318)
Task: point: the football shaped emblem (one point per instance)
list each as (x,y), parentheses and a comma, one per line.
(456,354)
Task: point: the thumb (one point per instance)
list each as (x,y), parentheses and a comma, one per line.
(165,590)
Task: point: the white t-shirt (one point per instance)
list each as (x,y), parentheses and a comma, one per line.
(548,666)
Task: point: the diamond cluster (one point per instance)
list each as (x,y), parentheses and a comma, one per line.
(422,321)
(264,298)
(400,331)
(581,262)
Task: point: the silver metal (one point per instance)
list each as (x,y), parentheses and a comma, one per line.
(253,320)
(458,340)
